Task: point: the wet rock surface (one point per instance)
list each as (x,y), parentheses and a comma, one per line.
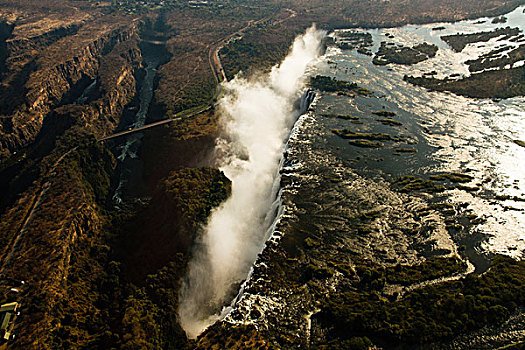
(358,224)
(330,221)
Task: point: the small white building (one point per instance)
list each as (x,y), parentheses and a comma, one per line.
(8,313)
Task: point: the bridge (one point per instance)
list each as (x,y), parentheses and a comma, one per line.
(216,68)
(181,116)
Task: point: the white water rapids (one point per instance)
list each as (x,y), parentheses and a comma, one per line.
(256,115)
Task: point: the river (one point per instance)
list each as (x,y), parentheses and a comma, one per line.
(450,133)
(339,202)
(342,200)
(129,147)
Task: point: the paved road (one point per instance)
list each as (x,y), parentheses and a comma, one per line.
(216,68)
(218,71)
(213,55)
(213,52)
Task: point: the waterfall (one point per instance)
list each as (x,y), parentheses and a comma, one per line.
(256,116)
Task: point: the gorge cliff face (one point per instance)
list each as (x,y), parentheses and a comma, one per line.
(95,276)
(64,83)
(51,69)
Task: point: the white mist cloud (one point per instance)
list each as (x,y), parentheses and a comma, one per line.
(256,116)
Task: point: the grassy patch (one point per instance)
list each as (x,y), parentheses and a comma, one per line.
(340,116)
(410,183)
(503,83)
(366,143)
(328,84)
(347,134)
(459,41)
(406,150)
(452,177)
(384,113)
(391,53)
(388,121)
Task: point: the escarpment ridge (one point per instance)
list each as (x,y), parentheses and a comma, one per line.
(98,274)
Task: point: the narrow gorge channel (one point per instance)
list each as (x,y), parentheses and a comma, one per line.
(135,116)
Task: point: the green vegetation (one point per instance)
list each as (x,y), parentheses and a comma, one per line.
(405,150)
(259,49)
(150,313)
(195,191)
(428,270)
(459,41)
(195,94)
(169,224)
(145,6)
(410,183)
(340,116)
(347,134)
(385,113)
(466,188)
(366,143)
(432,313)
(391,53)
(220,336)
(364,51)
(80,185)
(503,83)
(328,84)
(364,139)
(97,165)
(361,91)
(388,121)
(318,272)
(348,40)
(374,277)
(123,281)
(498,58)
(102,279)
(452,177)
(264,55)
(507,197)
(498,20)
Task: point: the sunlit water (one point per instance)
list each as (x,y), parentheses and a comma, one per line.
(452,133)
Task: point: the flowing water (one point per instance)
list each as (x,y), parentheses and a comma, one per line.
(257,116)
(127,150)
(325,183)
(451,133)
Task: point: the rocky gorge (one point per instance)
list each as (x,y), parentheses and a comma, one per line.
(89,274)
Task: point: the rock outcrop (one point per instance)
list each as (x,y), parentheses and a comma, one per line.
(75,54)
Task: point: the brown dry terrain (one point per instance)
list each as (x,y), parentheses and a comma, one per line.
(70,73)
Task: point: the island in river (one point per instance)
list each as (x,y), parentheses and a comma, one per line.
(100,275)
(395,227)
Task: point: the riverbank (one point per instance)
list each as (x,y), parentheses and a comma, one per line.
(389,210)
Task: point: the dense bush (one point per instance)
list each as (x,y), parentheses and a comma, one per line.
(323,83)
(428,314)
